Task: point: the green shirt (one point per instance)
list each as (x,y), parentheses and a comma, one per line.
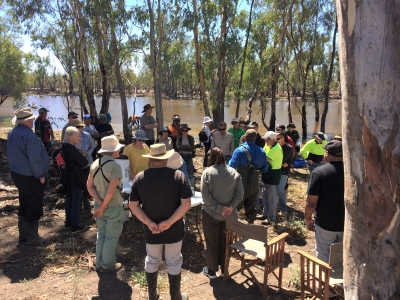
(236,135)
(313,148)
(274,155)
(111,171)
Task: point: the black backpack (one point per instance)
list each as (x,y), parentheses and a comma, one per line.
(203,136)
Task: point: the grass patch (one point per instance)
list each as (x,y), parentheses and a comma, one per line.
(139,278)
(294,272)
(294,226)
(26,280)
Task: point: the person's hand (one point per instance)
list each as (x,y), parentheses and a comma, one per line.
(42,180)
(155,125)
(227,211)
(284,165)
(98,212)
(310,161)
(84,154)
(153,227)
(164,225)
(310,224)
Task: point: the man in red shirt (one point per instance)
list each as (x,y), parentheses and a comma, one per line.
(43,129)
(175,129)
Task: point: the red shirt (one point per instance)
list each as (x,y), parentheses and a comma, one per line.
(174,132)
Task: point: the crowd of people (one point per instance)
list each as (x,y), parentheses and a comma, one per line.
(235,158)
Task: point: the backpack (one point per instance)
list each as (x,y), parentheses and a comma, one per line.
(203,136)
(101,169)
(61,161)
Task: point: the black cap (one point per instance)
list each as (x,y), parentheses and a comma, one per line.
(164,129)
(280,126)
(42,110)
(291,125)
(72,114)
(146,107)
(185,126)
(252,124)
(334,148)
(320,135)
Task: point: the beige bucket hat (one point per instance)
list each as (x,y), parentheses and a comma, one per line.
(159,151)
(175,161)
(110,144)
(22,114)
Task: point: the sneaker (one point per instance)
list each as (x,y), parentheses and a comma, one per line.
(210,274)
(267,222)
(115,268)
(78,228)
(261,217)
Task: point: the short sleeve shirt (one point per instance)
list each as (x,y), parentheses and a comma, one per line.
(147,120)
(137,162)
(111,171)
(160,191)
(327,182)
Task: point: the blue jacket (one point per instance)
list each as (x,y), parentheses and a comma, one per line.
(26,152)
(258,157)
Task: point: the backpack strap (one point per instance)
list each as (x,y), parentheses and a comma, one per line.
(248,157)
(101,169)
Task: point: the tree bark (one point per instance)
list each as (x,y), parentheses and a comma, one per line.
(289,109)
(369,66)
(328,82)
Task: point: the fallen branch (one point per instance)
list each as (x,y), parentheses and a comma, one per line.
(4,198)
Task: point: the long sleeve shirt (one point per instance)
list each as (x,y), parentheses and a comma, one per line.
(220,186)
(237,134)
(26,152)
(313,151)
(86,145)
(257,154)
(225,143)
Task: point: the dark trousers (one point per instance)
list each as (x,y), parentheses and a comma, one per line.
(31,193)
(94,154)
(86,194)
(73,206)
(249,204)
(149,142)
(207,147)
(215,242)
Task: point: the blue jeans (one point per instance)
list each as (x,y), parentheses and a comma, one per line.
(270,195)
(313,166)
(73,206)
(323,241)
(189,164)
(282,194)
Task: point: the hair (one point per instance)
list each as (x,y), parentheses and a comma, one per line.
(284,135)
(216,157)
(108,153)
(222,123)
(71,131)
(250,138)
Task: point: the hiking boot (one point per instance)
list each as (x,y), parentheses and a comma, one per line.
(67,225)
(175,288)
(210,274)
(261,217)
(282,214)
(32,234)
(78,228)
(115,268)
(152,285)
(268,222)
(22,229)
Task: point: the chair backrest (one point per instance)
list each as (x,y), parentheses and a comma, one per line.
(336,255)
(255,232)
(275,252)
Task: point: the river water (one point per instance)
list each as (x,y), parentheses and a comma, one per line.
(191,112)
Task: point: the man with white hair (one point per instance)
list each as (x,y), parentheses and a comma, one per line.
(272,178)
(29,164)
(160,198)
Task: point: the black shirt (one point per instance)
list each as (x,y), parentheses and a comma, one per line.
(102,128)
(160,191)
(327,182)
(287,158)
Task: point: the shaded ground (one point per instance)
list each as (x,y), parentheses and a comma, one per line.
(60,269)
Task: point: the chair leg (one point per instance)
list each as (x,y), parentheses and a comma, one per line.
(280,276)
(265,285)
(227,256)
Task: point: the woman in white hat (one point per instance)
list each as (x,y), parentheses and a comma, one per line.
(104,185)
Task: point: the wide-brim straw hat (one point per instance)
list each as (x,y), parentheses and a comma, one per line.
(159,151)
(175,161)
(110,144)
(76,122)
(22,114)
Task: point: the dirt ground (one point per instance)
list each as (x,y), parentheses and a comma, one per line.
(60,269)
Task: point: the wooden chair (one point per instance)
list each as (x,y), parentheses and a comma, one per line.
(252,239)
(320,279)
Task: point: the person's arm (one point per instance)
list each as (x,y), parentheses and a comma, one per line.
(92,190)
(237,194)
(110,193)
(94,134)
(34,148)
(304,151)
(92,146)
(311,204)
(134,206)
(235,159)
(287,156)
(231,145)
(178,214)
(191,142)
(208,199)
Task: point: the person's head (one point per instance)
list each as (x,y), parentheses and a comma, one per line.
(333,151)
(43,112)
(147,109)
(235,123)
(158,156)
(291,127)
(282,138)
(216,157)
(139,139)
(72,115)
(110,146)
(102,118)
(185,130)
(253,125)
(176,119)
(250,135)
(87,119)
(164,132)
(77,124)
(319,137)
(279,128)
(23,116)
(270,138)
(72,135)
(207,121)
(337,138)
(222,127)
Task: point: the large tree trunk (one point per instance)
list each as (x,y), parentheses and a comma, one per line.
(273,99)
(199,66)
(369,66)
(289,108)
(121,87)
(328,82)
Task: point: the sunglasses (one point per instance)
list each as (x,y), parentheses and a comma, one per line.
(79,126)
(222,129)
(184,130)
(101,119)
(74,117)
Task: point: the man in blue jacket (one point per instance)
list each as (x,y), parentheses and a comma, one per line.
(249,160)
(29,164)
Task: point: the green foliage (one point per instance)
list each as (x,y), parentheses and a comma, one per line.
(294,226)
(294,272)
(139,278)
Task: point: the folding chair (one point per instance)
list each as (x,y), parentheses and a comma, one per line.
(320,279)
(250,239)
